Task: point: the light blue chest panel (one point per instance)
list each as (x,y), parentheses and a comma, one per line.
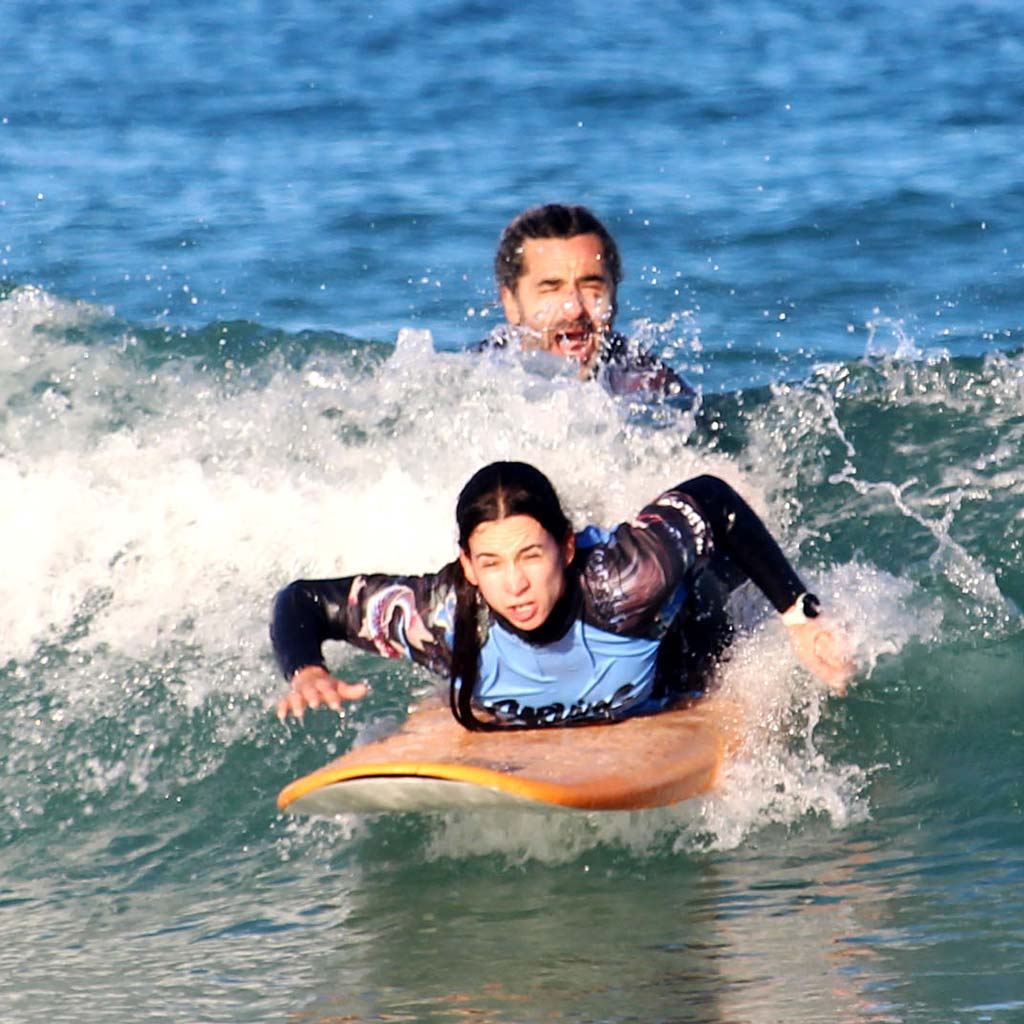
(588,674)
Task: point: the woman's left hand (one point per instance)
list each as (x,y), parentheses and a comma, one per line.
(823,652)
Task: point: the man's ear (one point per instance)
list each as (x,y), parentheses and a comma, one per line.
(510,304)
(467,568)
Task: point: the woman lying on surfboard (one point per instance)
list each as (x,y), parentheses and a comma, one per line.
(535,625)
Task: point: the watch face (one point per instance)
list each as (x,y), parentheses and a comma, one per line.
(812,606)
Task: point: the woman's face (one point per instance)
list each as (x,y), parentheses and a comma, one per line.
(518,567)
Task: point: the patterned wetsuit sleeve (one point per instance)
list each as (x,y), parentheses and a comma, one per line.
(740,534)
(394,616)
(635,582)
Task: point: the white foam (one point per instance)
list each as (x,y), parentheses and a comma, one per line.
(143,510)
(150,517)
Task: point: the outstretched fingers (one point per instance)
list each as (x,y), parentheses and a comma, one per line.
(313,687)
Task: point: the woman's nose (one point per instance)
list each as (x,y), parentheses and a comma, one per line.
(515,579)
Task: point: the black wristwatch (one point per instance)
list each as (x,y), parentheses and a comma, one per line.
(806,606)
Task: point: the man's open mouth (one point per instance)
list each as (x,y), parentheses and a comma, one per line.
(577,341)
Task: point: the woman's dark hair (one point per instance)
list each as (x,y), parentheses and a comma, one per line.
(495,492)
(551,221)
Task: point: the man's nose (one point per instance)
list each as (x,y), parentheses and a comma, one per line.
(572,303)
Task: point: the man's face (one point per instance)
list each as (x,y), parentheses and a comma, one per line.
(565,297)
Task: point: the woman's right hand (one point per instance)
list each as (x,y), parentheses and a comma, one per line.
(313,686)
(824,652)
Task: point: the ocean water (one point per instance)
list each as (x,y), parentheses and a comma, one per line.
(242,250)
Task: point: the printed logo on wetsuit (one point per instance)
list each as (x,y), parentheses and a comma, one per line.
(694,520)
(511,712)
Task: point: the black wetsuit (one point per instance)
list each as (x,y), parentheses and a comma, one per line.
(622,367)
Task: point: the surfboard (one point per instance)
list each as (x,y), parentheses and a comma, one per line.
(433,764)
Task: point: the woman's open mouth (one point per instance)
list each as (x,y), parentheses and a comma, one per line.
(520,613)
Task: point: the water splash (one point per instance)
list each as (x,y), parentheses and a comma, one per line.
(155,499)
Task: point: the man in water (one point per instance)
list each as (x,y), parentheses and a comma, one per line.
(558,270)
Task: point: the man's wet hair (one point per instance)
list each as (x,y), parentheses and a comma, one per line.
(550,221)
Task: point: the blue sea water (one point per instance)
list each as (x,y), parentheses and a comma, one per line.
(242,250)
